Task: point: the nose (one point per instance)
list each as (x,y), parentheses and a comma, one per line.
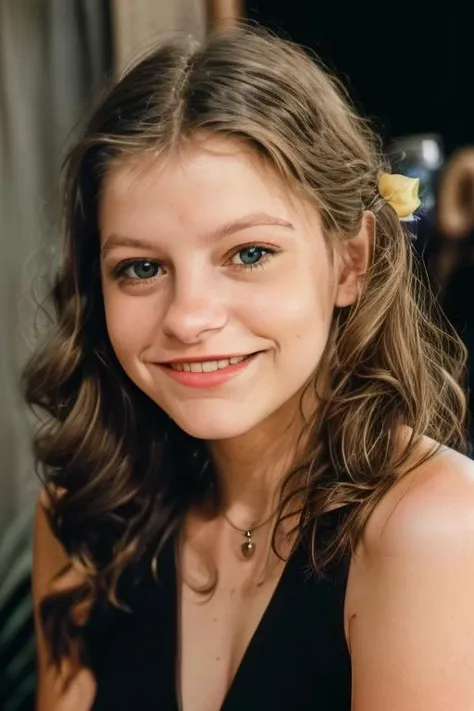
(195,310)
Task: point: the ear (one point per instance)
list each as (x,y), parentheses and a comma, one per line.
(353,261)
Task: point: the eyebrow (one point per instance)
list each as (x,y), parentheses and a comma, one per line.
(254,220)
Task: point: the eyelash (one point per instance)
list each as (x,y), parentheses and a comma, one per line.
(119,271)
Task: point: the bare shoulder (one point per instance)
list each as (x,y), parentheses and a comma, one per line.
(431,506)
(53,572)
(409,611)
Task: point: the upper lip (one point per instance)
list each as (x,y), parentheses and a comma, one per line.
(204,359)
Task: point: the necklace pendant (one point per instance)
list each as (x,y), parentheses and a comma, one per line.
(248,548)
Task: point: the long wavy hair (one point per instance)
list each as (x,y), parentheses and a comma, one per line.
(119,473)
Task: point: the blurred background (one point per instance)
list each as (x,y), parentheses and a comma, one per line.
(408,68)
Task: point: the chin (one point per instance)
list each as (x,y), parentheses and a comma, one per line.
(212,430)
(215,423)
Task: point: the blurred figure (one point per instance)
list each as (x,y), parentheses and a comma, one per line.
(456,213)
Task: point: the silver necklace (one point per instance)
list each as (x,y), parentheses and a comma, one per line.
(249,545)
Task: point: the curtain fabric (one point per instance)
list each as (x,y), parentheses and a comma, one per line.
(54,55)
(139,24)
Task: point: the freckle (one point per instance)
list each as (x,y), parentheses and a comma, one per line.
(232,592)
(214,619)
(218,659)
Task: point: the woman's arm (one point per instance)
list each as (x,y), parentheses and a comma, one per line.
(411,630)
(223,14)
(49,559)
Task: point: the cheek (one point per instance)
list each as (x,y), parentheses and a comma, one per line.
(129,322)
(298,319)
(300,308)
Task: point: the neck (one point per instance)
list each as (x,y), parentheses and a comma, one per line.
(251,468)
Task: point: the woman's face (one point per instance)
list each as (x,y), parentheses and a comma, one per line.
(207,257)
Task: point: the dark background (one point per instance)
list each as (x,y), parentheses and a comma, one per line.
(409,66)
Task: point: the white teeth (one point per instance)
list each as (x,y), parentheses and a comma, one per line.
(207,366)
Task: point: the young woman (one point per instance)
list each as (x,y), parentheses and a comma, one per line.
(250,497)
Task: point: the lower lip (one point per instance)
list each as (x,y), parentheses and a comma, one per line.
(208,380)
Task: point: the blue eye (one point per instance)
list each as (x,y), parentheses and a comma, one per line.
(250,256)
(140,269)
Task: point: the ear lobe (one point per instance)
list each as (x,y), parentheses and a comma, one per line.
(354,260)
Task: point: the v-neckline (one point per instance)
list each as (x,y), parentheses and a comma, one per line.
(284,587)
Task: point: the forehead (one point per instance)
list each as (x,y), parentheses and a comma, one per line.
(200,185)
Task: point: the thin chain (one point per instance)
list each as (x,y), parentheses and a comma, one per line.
(232,525)
(250,528)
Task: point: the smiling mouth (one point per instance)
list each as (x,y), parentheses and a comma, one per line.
(207,366)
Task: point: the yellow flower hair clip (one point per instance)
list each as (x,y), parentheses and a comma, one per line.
(400,192)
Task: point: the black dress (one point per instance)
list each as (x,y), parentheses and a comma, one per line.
(297,659)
